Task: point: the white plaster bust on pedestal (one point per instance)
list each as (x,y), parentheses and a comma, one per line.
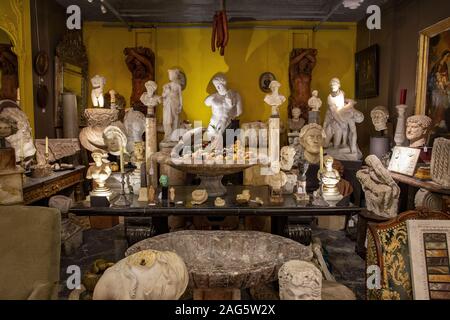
(314,103)
(417,130)
(98,83)
(134,122)
(380,116)
(145,275)
(226,105)
(300,280)
(275,100)
(149,98)
(172,102)
(312,137)
(115,139)
(380,190)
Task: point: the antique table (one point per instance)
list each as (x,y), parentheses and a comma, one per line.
(35,189)
(161,212)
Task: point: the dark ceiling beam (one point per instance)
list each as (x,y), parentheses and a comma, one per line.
(330,13)
(115,13)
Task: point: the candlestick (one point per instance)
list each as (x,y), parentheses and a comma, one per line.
(122,169)
(46,145)
(321,159)
(403,96)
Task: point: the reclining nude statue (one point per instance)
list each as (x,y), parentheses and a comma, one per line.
(381,191)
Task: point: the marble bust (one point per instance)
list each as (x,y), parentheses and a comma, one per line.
(312,137)
(134,122)
(296,123)
(149,98)
(145,275)
(99,172)
(380,190)
(275,100)
(314,103)
(417,130)
(115,140)
(226,105)
(380,116)
(98,83)
(329,177)
(300,280)
(172,102)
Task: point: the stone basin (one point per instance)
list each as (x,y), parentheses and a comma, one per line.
(228,259)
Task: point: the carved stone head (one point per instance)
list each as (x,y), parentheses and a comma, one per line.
(335,84)
(220,83)
(312,137)
(300,280)
(151,87)
(287,158)
(98,82)
(417,130)
(380,116)
(115,139)
(296,113)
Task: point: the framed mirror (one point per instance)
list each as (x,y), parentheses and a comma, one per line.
(71,68)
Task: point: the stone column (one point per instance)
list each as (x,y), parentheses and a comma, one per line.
(274,139)
(150,142)
(400,136)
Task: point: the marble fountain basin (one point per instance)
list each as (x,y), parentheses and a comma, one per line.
(228,259)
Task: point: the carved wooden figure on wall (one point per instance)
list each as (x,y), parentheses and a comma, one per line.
(141,63)
(9,73)
(301,65)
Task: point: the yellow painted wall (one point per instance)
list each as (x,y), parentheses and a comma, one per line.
(250,52)
(15,20)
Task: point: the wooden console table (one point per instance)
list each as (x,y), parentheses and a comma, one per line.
(36,189)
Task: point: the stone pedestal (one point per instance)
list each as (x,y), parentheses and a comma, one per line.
(274,139)
(400,136)
(11,186)
(151,138)
(314,117)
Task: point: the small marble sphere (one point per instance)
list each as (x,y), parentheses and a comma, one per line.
(287,155)
(226,105)
(312,137)
(417,130)
(99,172)
(314,103)
(300,280)
(145,275)
(380,116)
(98,83)
(115,139)
(275,100)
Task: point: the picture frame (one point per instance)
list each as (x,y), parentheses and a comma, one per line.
(367,71)
(404,160)
(264,81)
(429,243)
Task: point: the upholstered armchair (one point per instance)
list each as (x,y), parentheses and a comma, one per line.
(387,248)
(30,246)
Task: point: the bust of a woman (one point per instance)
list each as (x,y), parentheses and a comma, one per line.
(274,99)
(99,172)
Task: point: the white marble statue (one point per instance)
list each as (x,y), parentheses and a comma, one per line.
(314,103)
(226,105)
(417,130)
(145,275)
(296,123)
(329,177)
(134,122)
(380,190)
(274,99)
(98,83)
(287,155)
(149,98)
(340,124)
(22,139)
(380,116)
(99,172)
(300,280)
(172,102)
(115,139)
(312,137)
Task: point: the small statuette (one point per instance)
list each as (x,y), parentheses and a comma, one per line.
(244,197)
(219,202)
(199,197)
(172,195)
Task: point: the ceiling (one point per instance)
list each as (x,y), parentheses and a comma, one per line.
(198,11)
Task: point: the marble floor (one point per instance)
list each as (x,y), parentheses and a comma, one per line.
(110,244)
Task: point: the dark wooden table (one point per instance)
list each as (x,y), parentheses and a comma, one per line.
(161,211)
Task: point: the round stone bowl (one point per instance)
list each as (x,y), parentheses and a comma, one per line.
(228,259)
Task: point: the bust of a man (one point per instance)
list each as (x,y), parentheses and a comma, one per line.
(314,103)
(312,137)
(149,98)
(380,116)
(417,130)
